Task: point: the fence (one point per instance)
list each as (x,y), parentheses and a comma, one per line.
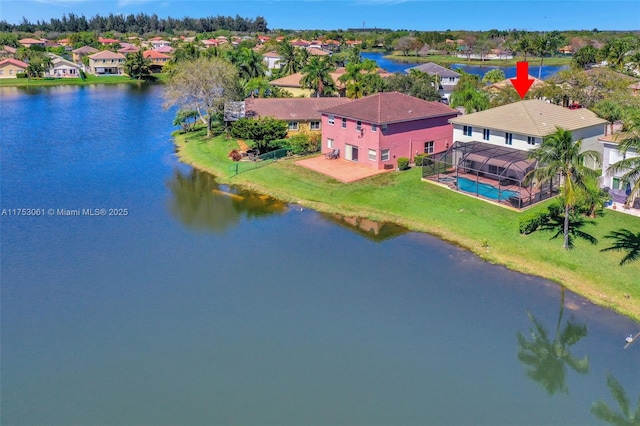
(258,161)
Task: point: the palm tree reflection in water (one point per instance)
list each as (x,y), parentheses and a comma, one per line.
(546,360)
(626,418)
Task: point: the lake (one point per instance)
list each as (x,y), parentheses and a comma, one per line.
(509,72)
(192,303)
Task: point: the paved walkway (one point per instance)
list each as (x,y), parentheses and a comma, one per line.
(342,170)
(620,208)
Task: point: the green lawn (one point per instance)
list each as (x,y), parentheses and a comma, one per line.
(445,60)
(91,79)
(402,197)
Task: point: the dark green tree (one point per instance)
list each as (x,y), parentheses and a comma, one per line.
(559,155)
(137,66)
(316,75)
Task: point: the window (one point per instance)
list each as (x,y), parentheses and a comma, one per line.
(485,134)
(344,123)
(331,119)
(428,147)
(383,128)
(358,126)
(384,155)
(467,130)
(314,125)
(531,140)
(373,154)
(374,127)
(1,72)
(508,138)
(330,143)
(616,183)
(452,79)
(293,125)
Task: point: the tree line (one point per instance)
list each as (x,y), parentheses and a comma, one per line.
(140,23)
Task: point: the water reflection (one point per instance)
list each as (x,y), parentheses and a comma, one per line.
(371,230)
(626,417)
(546,360)
(199,202)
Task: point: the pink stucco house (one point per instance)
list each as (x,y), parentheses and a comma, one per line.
(379,129)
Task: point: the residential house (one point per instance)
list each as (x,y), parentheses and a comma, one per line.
(106,62)
(301,114)
(611,155)
(155,44)
(522,126)
(498,86)
(63,68)
(263,39)
(28,42)
(10,67)
(272,60)
(379,129)
(158,60)
(79,53)
(292,84)
(108,41)
(7,52)
(129,48)
(314,51)
(448,78)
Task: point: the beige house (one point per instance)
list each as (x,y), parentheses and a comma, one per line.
(62,68)
(9,68)
(107,63)
(79,53)
(158,60)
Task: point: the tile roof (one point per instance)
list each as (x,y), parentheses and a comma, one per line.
(431,68)
(9,49)
(531,117)
(154,54)
(107,54)
(272,54)
(507,83)
(129,49)
(317,52)
(390,107)
(291,108)
(30,41)
(12,61)
(86,50)
(291,80)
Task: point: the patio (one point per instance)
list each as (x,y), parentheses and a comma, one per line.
(339,169)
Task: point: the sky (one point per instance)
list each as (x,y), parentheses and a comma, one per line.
(419,15)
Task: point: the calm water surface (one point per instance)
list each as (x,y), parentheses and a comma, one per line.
(509,72)
(200,307)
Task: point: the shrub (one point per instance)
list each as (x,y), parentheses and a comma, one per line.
(263,131)
(403,163)
(531,221)
(302,143)
(235,155)
(422,160)
(21,75)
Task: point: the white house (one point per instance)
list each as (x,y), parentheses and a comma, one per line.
(522,125)
(448,78)
(63,68)
(611,155)
(272,60)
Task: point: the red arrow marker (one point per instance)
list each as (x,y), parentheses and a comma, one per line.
(522,82)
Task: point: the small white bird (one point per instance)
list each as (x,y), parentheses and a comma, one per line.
(629,339)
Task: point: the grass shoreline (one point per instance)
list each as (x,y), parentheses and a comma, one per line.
(448,60)
(452,217)
(90,80)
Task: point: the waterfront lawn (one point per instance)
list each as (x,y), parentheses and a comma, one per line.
(91,79)
(488,230)
(447,60)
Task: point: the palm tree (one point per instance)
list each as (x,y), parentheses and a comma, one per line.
(354,77)
(248,62)
(625,240)
(558,155)
(555,223)
(316,75)
(608,110)
(289,64)
(472,99)
(629,140)
(602,411)
(547,359)
(546,44)
(137,66)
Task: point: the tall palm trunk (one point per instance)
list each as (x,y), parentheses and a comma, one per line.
(566,225)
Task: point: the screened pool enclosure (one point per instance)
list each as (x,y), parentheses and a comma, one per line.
(492,172)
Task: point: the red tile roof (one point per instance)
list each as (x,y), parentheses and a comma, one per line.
(106,54)
(154,54)
(108,40)
(15,62)
(291,108)
(391,107)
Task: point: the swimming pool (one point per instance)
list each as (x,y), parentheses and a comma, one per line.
(484,190)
